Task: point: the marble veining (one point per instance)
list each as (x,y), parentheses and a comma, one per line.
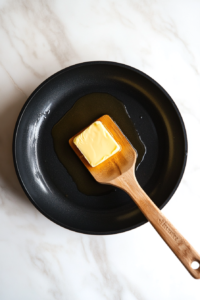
(39,259)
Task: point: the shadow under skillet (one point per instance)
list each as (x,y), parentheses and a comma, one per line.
(8,118)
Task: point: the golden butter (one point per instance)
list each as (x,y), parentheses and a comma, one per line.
(96,144)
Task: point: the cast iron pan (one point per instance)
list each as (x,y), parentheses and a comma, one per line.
(46,181)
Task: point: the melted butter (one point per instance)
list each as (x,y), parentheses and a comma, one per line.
(84,112)
(96,144)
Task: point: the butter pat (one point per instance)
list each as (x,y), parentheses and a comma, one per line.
(96,144)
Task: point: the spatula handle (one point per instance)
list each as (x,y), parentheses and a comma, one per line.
(178,244)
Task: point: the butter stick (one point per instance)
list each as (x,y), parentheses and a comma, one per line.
(96,144)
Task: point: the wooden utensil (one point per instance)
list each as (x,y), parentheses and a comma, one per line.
(119,170)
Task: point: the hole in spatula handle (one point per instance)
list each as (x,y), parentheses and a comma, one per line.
(195,265)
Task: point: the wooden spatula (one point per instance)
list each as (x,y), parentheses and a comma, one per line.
(119,170)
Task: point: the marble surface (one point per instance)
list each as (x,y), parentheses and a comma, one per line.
(39,259)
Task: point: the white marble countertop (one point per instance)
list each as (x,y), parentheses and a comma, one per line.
(41,260)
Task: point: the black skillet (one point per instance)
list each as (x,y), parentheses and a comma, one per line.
(46,181)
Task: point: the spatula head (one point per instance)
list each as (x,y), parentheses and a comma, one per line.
(115,165)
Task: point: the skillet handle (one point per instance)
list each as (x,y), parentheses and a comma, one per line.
(178,244)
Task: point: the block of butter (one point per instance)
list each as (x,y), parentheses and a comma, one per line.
(96,144)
